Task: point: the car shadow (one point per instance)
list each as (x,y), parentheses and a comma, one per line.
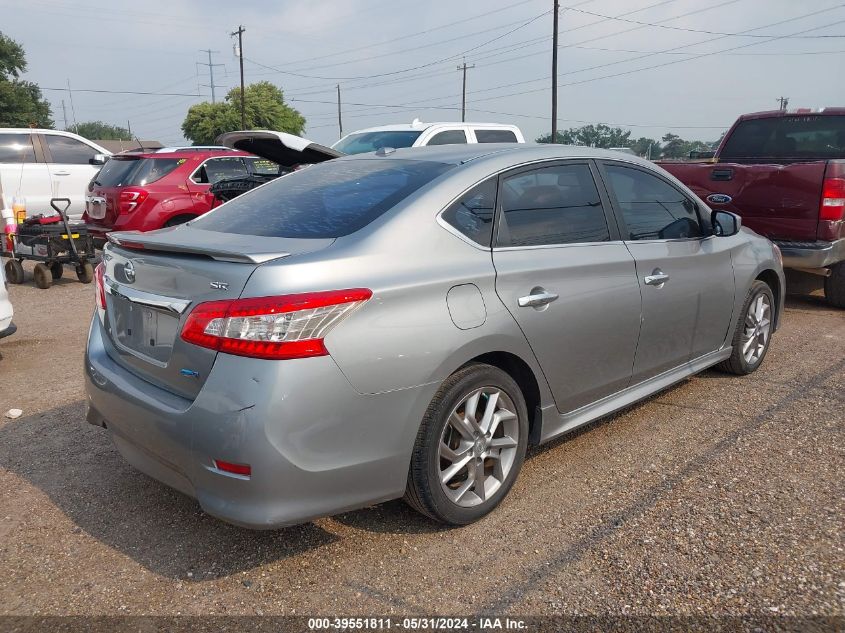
(78,468)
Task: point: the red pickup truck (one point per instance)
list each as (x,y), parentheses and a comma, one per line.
(783,172)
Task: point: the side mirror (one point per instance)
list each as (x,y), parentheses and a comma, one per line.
(98,159)
(725,223)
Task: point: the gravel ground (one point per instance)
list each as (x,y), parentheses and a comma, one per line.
(720,496)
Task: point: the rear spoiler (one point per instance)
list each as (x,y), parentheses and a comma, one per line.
(225,247)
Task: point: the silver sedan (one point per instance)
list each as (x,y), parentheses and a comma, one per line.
(406,323)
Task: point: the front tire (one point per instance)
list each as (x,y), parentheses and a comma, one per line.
(753,331)
(834,286)
(43,276)
(14,272)
(470,446)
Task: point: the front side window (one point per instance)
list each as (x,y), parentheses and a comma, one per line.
(652,208)
(449,137)
(262,166)
(16,148)
(217,169)
(495,136)
(472,213)
(69,151)
(326,200)
(551,205)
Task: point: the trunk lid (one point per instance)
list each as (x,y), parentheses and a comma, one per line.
(285,149)
(153,280)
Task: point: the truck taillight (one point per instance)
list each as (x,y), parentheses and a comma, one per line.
(278,328)
(131,198)
(100,286)
(833,199)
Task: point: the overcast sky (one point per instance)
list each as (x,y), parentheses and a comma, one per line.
(404,55)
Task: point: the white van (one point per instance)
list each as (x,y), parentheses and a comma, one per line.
(42,164)
(418,134)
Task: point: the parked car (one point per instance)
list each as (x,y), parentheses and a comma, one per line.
(406,323)
(784,173)
(150,190)
(419,134)
(44,164)
(7,328)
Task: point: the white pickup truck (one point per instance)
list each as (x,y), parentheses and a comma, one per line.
(42,164)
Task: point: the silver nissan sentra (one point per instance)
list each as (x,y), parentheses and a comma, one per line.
(406,323)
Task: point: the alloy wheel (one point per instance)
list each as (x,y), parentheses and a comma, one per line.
(758,326)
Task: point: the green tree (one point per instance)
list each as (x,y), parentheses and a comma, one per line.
(647,147)
(600,135)
(21,102)
(264,107)
(97,130)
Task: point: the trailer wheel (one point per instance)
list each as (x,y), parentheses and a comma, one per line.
(57,270)
(43,276)
(14,272)
(85,272)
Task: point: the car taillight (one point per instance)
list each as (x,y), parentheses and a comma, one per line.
(131,198)
(283,327)
(833,199)
(100,286)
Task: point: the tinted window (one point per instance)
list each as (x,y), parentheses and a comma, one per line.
(652,209)
(806,136)
(472,214)
(16,148)
(449,137)
(552,205)
(262,166)
(371,141)
(217,169)
(495,136)
(119,172)
(330,199)
(69,151)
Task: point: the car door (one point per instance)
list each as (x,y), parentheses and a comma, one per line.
(685,273)
(69,160)
(23,172)
(567,279)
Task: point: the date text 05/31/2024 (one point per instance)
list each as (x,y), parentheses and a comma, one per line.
(430,624)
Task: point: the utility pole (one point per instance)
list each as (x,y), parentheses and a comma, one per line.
(240,34)
(64,113)
(784,101)
(554,73)
(72,109)
(339,119)
(463,67)
(129,128)
(210,71)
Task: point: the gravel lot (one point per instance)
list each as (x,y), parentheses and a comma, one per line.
(723,495)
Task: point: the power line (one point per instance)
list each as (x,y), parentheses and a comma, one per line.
(129,92)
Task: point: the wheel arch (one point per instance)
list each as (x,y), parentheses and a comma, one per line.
(771,279)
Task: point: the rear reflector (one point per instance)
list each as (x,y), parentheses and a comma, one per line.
(235,469)
(833,199)
(276,328)
(100,286)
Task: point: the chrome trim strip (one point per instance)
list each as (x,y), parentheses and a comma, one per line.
(177,306)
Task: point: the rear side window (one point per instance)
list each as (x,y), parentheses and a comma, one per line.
(495,136)
(331,199)
(69,151)
(449,137)
(551,205)
(803,136)
(16,148)
(120,172)
(217,169)
(472,213)
(651,208)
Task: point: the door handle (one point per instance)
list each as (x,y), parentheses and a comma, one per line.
(656,278)
(536,299)
(61,173)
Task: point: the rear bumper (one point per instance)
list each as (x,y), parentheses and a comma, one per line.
(9,330)
(315,445)
(811,254)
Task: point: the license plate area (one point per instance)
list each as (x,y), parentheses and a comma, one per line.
(95,207)
(142,330)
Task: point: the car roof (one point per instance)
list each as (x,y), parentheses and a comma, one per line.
(420,126)
(521,152)
(183,153)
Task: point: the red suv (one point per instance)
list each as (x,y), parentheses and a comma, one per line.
(149,190)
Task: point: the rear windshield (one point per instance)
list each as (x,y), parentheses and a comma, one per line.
(331,199)
(801,136)
(371,141)
(120,172)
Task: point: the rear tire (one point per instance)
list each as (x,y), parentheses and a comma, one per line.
(85,272)
(43,276)
(470,446)
(14,272)
(834,286)
(56,270)
(753,332)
